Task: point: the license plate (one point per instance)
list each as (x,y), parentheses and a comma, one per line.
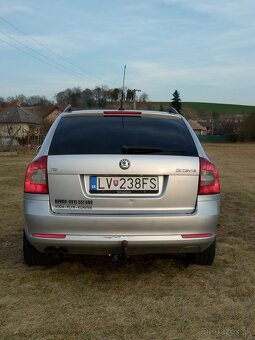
(127,184)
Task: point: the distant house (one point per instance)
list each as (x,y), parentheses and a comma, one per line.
(7,141)
(197,127)
(18,124)
(52,115)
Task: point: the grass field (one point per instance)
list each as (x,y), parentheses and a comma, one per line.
(205,110)
(227,109)
(151,297)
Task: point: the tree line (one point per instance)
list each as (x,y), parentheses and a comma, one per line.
(23,100)
(97,97)
(77,97)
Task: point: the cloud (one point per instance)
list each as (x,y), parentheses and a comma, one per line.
(152,73)
(209,81)
(43,84)
(233,10)
(68,42)
(7,7)
(216,6)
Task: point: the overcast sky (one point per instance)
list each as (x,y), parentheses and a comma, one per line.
(203,48)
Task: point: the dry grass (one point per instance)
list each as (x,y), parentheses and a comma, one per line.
(151,297)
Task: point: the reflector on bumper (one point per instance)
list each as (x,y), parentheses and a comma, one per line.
(49,235)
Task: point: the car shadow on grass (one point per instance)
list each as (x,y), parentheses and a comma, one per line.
(12,255)
(134,263)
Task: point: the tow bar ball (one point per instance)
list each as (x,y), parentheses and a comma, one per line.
(115,258)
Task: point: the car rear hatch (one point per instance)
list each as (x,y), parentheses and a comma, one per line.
(129,163)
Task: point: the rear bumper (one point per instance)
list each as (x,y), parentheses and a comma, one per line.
(103,234)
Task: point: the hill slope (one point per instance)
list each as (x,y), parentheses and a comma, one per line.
(203,110)
(220,108)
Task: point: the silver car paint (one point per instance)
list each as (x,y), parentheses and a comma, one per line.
(69,179)
(150,224)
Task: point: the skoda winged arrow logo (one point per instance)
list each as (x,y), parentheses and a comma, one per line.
(124,164)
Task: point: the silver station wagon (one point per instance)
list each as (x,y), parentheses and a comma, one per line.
(120,182)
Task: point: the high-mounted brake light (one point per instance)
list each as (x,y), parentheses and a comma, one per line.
(36,180)
(122,113)
(209,182)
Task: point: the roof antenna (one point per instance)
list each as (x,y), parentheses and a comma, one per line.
(122,93)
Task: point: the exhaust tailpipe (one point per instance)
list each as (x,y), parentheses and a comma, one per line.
(50,252)
(53,252)
(61,253)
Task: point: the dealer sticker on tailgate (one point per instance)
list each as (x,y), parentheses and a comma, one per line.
(128,184)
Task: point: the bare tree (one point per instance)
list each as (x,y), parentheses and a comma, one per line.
(13,133)
(143,97)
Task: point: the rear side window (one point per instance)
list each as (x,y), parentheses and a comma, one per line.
(121,135)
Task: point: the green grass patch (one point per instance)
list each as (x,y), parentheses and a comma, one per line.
(204,110)
(229,109)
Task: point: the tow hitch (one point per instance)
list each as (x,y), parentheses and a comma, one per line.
(115,258)
(124,248)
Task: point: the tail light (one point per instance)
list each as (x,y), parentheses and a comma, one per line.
(36,181)
(209,182)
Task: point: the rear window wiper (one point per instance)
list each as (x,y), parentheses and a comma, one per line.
(143,150)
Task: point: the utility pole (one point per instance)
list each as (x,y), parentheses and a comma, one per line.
(135,90)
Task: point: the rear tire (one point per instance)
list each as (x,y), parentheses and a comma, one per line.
(32,257)
(206,257)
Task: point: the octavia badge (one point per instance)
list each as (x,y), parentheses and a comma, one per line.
(124,164)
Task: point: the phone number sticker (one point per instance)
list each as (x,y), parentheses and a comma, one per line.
(73,204)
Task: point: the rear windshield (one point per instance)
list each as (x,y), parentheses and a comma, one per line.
(121,135)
